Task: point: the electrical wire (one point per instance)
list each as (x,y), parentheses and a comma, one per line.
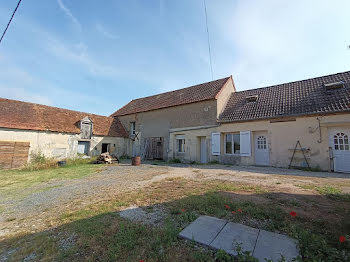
(206,22)
(13,14)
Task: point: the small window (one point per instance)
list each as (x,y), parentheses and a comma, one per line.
(180,143)
(232,144)
(253,98)
(341,142)
(262,142)
(334,85)
(132,128)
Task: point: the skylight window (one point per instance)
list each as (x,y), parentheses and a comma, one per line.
(250,99)
(334,85)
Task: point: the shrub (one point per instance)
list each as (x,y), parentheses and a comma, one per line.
(39,161)
(175,161)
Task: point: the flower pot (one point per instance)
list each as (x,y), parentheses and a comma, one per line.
(136,161)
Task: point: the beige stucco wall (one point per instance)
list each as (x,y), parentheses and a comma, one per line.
(61,145)
(282,138)
(224,95)
(157,123)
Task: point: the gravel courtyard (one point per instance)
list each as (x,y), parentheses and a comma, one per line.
(34,211)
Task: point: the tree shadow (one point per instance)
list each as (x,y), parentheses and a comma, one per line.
(150,232)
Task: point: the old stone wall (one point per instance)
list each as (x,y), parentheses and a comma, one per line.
(61,145)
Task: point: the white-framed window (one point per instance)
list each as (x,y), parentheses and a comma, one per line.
(232,144)
(180,143)
(132,128)
(261,141)
(341,142)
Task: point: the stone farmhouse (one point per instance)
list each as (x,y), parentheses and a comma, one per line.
(213,122)
(27,128)
(303,124)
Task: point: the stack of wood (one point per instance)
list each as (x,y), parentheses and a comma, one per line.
(106,158)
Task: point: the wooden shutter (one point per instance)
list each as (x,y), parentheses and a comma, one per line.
(215,144)
(246,148)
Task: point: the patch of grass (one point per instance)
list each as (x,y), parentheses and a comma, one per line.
(331,192)
(102,235)
(311,169)
(13,182)
(327,190)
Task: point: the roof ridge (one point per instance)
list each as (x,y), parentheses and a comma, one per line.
(292,82)
(181,88)
(42,105)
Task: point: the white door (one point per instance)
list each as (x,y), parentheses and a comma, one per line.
(203,150)
(262,155)
(339,141)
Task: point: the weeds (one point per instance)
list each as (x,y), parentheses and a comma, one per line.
(175,161)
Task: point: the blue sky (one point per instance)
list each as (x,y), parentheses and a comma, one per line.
(95,56)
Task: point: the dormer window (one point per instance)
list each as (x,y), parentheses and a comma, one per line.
(86,128)
(250,99)
(334,85)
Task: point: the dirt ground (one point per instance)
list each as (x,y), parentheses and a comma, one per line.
(35,211)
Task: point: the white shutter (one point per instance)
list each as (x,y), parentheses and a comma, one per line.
(215,144)
(246,149)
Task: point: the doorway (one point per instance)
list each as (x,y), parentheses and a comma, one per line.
(340,144)
(203,150)
(262,154)
(83,147)
(105,148)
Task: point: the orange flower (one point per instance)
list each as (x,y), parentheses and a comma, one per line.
(293,214)
(239,210)
(227,206)
(342,239)
(142,260)
(233,212)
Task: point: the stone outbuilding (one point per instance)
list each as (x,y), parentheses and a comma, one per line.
(55,132)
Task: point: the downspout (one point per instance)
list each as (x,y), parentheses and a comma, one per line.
(319,129)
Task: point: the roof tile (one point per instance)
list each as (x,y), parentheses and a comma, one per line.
(22,115)
(291,99)
(178,97)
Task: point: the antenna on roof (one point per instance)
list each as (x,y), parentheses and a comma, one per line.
(206,22)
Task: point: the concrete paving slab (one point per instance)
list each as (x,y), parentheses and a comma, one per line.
(203,230)
(272,245)
(233,234)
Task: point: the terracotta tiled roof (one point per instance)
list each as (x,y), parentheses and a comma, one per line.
(205,91)
(304,97)
(22,115)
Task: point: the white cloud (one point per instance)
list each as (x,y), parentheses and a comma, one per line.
(277,41)
(23,95)
(78,54)
(101,29)
(69,14)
